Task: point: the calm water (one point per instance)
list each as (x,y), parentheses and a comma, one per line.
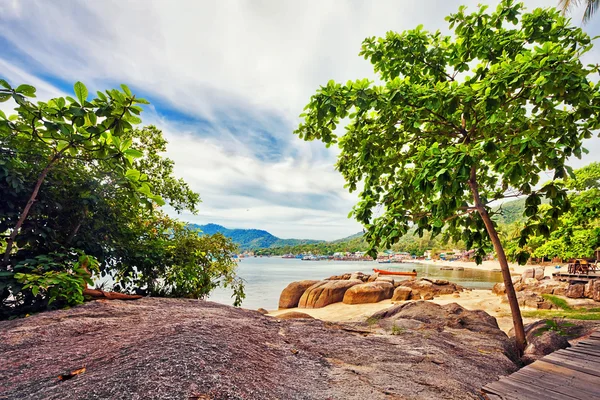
(266,277)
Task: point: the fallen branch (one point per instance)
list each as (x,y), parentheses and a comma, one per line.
(101,294)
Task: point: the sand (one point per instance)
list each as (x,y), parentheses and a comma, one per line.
(471,300)
(515,268)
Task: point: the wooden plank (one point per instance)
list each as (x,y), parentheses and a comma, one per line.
(520,391)
(573,365)
(582,352)
(559,370)
(570,358)
(555,383)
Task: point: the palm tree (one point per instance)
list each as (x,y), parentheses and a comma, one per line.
(591,6)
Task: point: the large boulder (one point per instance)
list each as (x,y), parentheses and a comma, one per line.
(294,315)
(528,273)
(499,288)
(576,291)
(428,287)
(401,293)
(371,292)
(538,273)
(596,290)
(543,338)
(324,293)
(290,296)
(359,275)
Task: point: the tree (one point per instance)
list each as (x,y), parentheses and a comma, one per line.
(460,122)
(591,6)
(97,208)
(66,128)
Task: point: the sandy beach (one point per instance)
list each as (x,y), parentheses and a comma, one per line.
(493,265)
(471,300)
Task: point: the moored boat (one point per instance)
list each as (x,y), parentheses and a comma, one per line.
(401,273)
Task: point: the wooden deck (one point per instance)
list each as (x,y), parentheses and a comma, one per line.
(569,374)
(563,276)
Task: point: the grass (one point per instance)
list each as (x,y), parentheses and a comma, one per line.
(566,311)
(396,330)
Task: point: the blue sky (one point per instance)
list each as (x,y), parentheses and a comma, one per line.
(227,81)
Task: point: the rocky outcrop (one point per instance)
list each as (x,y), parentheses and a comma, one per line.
(294,315)
(290,296)
(371,292)
(424,287)
(191,349)
(401,293)
(326,292)
(576,291)
(533,273)
(543,338)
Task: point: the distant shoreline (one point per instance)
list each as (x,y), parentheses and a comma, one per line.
(492,265)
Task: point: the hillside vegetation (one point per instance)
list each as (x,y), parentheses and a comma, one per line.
(252,239)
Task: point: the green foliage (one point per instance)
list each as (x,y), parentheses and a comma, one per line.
(251,239)
(396,330)
(558,301)
(77,178)
(461,120)
(55,276)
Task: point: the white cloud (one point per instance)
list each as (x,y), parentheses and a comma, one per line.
(242,70)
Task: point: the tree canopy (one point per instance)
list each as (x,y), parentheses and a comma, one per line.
(461,121)
(82,193)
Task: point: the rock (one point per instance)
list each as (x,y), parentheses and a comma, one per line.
(371,292)
(499,288)
(542,340)
(388,279)
(529,299)
(415,296)
(528,273)
(530,281)
(290,296)
(519,286)
(596,290)
(139,349)
(324,293)
(587,289)
(457,295)
(538,273)
(359,275)
(344,277)
(373,277)
(575,291)
(262,311)
(560,291)
(428,296)
(435,316)
(401,293)
(294,315)
(516,279)
(440,282)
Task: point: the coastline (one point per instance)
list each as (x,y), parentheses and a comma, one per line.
(472,300)
(492,265)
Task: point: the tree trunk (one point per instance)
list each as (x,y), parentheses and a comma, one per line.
(520,338)
(25,213)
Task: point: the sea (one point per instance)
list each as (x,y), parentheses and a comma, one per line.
(266,277)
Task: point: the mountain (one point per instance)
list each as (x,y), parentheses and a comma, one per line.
(251,239)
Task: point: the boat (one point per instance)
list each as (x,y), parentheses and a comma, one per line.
(384,261)
(402,273)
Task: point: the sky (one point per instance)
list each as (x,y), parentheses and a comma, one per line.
(227,81)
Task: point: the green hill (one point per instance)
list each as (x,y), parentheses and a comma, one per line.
(252,239)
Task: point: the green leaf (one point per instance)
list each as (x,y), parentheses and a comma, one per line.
(81,92)
(2,115)
(133,153)
(35,290)
(132,174)
(126,90)
(141,101)
(5,84)
(4,97)
(27,90)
